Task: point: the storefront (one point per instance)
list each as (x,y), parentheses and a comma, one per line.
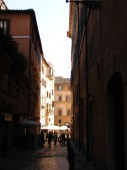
(29,134)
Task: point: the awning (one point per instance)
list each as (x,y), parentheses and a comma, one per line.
(64,127)
(28,122)
(53,127)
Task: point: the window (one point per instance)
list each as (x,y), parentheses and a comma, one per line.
(6,81)
(59,87)
(49,95)
(50,71)
(68,112)
(60,98)
(5,25)
(52,103)
(43,82)
(60,112)
(47,108)
(59,121)
(43,69)
(68,98)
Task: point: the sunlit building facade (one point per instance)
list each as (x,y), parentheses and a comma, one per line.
(47,94)
(3,6)
(62,101)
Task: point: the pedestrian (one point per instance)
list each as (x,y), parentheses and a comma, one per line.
(41,139)
(46,136)
(55,138)
(63,138)
(49,138)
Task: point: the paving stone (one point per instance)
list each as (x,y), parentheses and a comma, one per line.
(45,158)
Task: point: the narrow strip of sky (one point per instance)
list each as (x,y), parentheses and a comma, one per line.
(53,21)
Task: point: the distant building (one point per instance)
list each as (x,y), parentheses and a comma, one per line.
(47,94)
(2,5)
(62,102)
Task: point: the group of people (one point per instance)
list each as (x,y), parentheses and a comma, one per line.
(52,136)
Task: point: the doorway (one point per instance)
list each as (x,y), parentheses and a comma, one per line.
(116,136)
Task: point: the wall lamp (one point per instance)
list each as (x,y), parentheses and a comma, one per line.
(90,4)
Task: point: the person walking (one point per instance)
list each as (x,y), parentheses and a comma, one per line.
(49,138)
(41,139)
(55,138)
(63,138)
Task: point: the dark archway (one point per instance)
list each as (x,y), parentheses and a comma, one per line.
(116,136)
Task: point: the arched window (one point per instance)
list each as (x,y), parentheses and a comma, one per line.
(59,121)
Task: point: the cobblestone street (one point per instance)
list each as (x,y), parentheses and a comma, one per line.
(46,158)
(54,158)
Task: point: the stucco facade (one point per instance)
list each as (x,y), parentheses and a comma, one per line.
(62,102)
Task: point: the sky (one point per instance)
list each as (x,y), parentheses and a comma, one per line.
(53,23)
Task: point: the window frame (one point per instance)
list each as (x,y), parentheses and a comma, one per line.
(68,112)
(59,98)
(59,112)
(59,87)
(5,24)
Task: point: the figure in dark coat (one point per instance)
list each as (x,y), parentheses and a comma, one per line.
(41,139)
(49,138)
